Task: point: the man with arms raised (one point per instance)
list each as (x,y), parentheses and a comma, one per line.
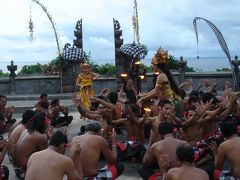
(166,114)
(92,146)
(52,164)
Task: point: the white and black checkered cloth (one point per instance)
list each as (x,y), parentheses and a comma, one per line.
(134,50)
(73,54)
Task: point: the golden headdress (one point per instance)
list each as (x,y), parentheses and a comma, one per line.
(161,57)
(83,65)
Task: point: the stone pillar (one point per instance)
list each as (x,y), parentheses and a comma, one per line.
(182,69)
(70,73)
(71,69)
(12,85)
(235,64)
(122,63)
(78,42)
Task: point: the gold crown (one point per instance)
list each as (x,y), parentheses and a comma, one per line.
(82,65)
(161,57)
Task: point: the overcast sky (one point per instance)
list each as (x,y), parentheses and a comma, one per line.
(165,23)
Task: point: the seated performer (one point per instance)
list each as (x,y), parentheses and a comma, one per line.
(15,134)
(92,146)
(229,149)
(187,170)
(31,140)
(39,167)
(54,111)
(6,113)
(167,146)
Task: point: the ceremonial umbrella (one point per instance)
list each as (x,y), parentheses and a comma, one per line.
(135,51)
(73,54)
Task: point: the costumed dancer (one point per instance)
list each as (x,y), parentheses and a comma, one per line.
(165,87)
(85,83)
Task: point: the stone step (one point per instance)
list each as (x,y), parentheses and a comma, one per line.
(22,97)
(23,105)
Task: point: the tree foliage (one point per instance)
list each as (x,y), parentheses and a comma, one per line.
(2,74)
(223,70)
(173,63)
(53,67)
(108,69)
(31,69)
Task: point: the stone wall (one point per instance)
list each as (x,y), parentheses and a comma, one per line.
(51,84)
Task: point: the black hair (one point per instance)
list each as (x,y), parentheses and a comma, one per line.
(82,130)
(165,70)
(194,93)
(43,95)
(185,153)
(192,99)
(2,96)
(94,127)
(228,127)
(214,91)
(165,128)
(43,103)
(2,118)
(58,138)
(182,93)
(191,108)
(27,115)
(38,123)
(163,102)
(208,96)
(54,102)
(113,97)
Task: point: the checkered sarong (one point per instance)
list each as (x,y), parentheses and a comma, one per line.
(73,54)
(134,50)
(228,175)
(103,173)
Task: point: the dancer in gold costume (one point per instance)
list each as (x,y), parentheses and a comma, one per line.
(85,83)
(165,87)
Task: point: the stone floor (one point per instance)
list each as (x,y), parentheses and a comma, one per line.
(130,172)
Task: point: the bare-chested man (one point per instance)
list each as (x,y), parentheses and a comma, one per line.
(6,113)
(4,147)
(52,164)
(113,105)
(229,149)
(43,97)
(30,141)
(167,146)
(166,114)
(92,146)
(27,118)
(54,110)
(187,170)
(133,126)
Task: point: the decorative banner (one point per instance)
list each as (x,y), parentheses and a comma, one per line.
(221,41)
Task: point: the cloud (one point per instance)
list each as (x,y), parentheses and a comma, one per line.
(162,23)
